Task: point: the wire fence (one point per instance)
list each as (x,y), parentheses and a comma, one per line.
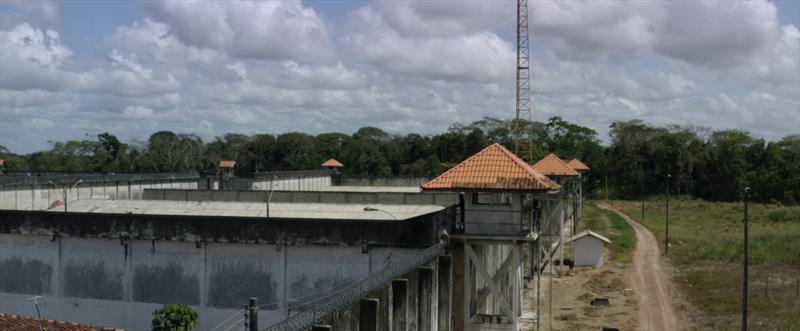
(341,299)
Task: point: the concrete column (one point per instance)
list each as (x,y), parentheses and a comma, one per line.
(399,304)
(368,315)
(425,292)
(444,278)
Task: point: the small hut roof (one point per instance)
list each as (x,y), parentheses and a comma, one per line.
(591,234)
(493,168)
(332,163)
(551,165)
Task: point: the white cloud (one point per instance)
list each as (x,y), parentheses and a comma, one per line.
(276,30)
(477,56)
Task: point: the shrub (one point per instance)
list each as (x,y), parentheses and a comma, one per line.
(174,317)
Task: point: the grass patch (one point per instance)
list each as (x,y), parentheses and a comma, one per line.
(611,225)
(707,250)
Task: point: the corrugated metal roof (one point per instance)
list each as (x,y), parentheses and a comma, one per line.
(493,168)
(251,209)
(551,165)
(332,163)
(21,323)
(577,165)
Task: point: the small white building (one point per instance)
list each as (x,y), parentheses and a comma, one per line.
(589,247)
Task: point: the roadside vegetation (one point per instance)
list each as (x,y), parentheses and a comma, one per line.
(707,250)
(611,225)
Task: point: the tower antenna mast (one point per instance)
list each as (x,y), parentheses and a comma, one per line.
(523,142)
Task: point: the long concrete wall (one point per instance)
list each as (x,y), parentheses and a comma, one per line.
(442,199)
(119,283)
(40,197)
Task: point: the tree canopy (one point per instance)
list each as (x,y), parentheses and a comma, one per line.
(713,165)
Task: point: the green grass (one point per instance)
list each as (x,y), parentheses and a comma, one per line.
(706,231)
(707,250)
(611,225)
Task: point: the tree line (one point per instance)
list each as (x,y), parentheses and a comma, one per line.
(713,165)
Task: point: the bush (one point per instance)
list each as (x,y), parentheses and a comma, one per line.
(174,317)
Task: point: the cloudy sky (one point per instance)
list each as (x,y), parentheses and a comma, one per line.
(77,68)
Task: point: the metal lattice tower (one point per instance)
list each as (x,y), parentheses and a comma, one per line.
(523,142)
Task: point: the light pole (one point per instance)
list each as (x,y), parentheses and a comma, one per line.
(666,235)
(269,196)
(381,210)
(746,259)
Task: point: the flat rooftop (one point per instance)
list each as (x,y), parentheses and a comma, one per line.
(331,211)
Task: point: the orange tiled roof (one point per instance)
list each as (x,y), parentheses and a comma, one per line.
(227,164)
(493,168)
(551,165)
(332,163)
(577,165)
(21,323)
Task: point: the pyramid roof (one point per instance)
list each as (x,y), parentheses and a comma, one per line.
(551,165)
(493,168)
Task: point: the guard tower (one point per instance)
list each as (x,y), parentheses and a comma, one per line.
(491,231)
(581,168)
(225,169)
(559,206)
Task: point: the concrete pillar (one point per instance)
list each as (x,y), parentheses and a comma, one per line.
(368,315)
(444,277)
(459,305)
(425,293)
(399,304)
(321,328)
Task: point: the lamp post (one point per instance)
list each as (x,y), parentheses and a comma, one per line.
(666,235)
(381,210)
(746,259)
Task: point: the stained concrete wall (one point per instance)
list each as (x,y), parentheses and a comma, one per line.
(119,283)
(310,183)
(391,182)
(493,219)
(39,197)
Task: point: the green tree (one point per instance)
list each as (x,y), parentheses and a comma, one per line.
(174,317)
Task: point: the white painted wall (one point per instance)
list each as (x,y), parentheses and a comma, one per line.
(589,252)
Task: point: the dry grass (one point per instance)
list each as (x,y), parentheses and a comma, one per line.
(707,251)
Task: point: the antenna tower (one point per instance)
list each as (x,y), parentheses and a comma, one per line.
(523,142)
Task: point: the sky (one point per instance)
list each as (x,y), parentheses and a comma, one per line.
(74,69)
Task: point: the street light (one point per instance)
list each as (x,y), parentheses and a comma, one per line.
(746,259)
(269,196)
(666,235)
(381,210)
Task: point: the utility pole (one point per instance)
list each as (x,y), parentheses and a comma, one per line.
(666,235)
(253,309)
(746,259)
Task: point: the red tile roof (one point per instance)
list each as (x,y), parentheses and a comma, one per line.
(551,165)
(227,164)
(21,323)
(493,168)
(577,165)
(332,163)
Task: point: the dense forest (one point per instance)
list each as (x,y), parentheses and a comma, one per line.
(713,165)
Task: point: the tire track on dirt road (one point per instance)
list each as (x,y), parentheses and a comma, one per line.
(650,282)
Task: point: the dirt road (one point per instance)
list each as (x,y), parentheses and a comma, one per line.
(650,282)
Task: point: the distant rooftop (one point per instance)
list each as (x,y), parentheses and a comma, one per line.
(577,165)
(251,209)
(227,164)
(332,163)
(21,323)
(493,168)
(551,165)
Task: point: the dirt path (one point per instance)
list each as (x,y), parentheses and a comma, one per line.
(650,282)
